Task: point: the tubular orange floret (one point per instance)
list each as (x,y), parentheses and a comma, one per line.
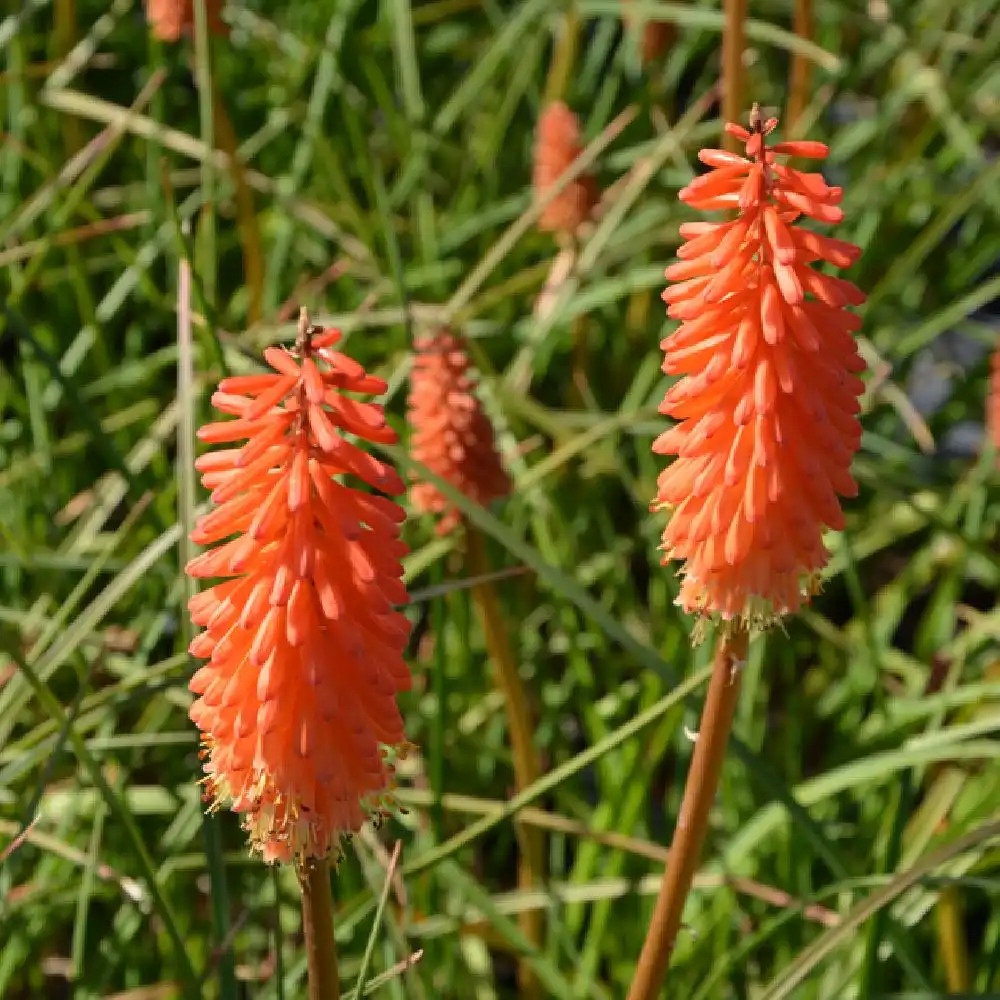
(768,399)
(557,145)
(169,19)
(297,702)
(452,435)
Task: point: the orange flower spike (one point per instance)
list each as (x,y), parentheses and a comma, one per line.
(297,702)
(767,402)
(169,19)
(557,145)
(452,435)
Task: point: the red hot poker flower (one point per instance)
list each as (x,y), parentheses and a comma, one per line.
(557,145)
(452,435)
(297,702)
(169,19)
(768,399)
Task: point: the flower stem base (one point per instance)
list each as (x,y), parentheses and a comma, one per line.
(531,863)
(692,825)
(317,926)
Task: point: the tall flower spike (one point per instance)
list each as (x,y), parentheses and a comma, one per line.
(557,145)
(452,435)
(297,702)
(768,399)
(169,19)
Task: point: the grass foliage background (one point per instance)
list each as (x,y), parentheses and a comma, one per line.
(384,154)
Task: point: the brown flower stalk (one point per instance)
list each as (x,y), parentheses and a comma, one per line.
(801,74)
(993,403)
(453,437)
(699,793)
(656,37)
(733,43)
